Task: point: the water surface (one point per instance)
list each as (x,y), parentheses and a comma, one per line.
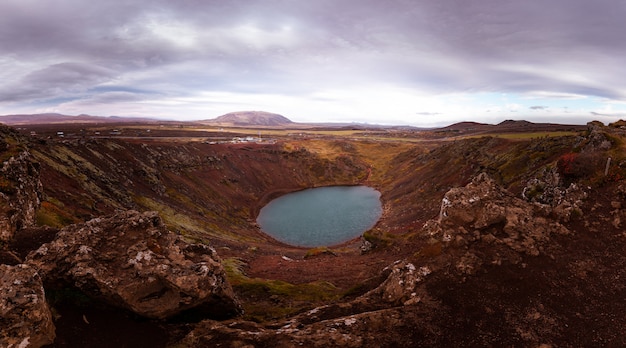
(321,216)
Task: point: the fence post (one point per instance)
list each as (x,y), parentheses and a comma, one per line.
(606,169)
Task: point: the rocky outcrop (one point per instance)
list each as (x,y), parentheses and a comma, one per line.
(132,261)
(25,319)
(485,211)
(596,139)
(546,188)
(370,320)
(370,329)
(20,188)
(400,286)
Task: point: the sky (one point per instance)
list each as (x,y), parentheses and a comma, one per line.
(409,62)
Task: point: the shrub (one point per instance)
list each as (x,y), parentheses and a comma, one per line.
(576,165)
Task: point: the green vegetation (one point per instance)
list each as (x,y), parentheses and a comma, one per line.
(273,299)
(523,136)
(379,238)
(319,251)
(52,213)
(9,147)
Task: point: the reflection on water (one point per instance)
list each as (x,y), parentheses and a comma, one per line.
(321,216)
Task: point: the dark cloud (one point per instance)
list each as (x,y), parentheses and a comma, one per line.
(74,49)
(55,80)
(538,107)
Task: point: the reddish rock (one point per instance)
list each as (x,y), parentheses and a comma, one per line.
(482,208)
(20,194)
(132,261)
(375,319)
(25,319)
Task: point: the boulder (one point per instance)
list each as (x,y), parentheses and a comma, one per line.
(132,261)
(25,318)
(484,209)
(401,285)
(546,188)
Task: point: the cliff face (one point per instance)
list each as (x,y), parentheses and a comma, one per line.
(20,187)
(207,191)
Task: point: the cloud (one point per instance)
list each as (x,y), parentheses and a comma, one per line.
(612,114)
(539,107)
(54,81)
(74,50)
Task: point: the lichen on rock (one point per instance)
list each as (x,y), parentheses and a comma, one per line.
(25,318)
(132,261)
(484,209)
(20,194)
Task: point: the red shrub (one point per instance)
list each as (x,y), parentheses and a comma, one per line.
(575,165)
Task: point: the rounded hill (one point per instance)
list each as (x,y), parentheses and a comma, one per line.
(253,118)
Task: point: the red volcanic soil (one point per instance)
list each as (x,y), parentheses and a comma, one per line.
(569,295)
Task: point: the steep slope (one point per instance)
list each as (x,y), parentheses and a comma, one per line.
(424,177)
(203,190)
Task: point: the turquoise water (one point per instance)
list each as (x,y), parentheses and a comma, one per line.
(321,216)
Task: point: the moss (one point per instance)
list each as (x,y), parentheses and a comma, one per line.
(11,147)
(53,214)
(272,299)
(378,238)
(319,251)
(233,267)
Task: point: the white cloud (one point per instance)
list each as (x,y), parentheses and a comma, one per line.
(394,61)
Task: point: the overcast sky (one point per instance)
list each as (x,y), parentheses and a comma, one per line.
(417,62)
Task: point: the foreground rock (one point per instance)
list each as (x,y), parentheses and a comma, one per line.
(379,318)
(484,211)
(132,261)
(20,187)
(25,318)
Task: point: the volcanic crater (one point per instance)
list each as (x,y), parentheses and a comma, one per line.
(489,236)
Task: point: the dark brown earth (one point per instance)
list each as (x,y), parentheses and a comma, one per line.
(570,294)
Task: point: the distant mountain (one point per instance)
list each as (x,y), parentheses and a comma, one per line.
(526,126)
(508,126)
(53,118)
(516,123)
(464,126)
(252,118)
